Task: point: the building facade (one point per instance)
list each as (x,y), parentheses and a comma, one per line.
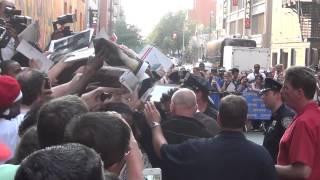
(203,12)
(242,19)
(289,28)
(47,11)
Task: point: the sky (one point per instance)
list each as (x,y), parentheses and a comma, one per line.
(145,14)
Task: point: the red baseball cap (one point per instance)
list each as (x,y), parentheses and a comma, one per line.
(10,91)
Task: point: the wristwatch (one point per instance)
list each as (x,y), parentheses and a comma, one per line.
(154,124)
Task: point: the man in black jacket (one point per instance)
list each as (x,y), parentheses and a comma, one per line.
(228,156)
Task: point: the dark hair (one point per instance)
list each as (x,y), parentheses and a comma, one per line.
(105,132)
(302,77)
(259,76)
(31,82)
(31,118)
(123,109)
(233,111)
(166,97)
(28,144)
(118,107)
(234,70)
(68,161)
(54,116)
(4,66)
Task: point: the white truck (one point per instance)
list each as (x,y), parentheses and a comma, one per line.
(237,53)
(244,58)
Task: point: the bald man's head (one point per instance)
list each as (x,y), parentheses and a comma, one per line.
(184,100)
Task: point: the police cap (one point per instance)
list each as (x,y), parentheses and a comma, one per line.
(271,84)
(196,83)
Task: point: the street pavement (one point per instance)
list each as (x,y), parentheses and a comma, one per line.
(256,137)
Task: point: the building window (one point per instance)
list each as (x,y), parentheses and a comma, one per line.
(274,59)
(236,5)
(257,1)
(240,4)
(284,58)
(257,24)
(240,27)
(293,57)
(232,28)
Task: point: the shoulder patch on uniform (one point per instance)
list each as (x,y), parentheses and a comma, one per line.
(286,121)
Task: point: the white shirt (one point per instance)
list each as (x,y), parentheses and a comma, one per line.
(8,52)
(231,87)
(251,77)
(9,132)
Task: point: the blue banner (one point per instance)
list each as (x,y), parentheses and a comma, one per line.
(256,107)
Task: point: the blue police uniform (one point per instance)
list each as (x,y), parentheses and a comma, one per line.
(278,123)
(280,120)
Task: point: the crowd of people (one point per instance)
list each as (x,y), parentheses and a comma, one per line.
(78,122)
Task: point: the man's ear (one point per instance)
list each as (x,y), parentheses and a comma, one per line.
(196,108)
(300,92)
(172,107)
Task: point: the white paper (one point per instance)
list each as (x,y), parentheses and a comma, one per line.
(141,75)
(129,80)
(146,96)
(71,43)
(155,93)
(154,57)
(80,54)
(32,53)
(31,33)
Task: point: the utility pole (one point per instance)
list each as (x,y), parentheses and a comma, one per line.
(110,24)
(210,25)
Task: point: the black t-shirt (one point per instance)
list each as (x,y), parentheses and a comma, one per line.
(228,156)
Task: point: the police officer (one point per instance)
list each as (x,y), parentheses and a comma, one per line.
(280,119)
(202,89)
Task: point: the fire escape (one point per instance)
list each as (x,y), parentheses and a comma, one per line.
(309,18)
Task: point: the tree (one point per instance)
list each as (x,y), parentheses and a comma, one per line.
(128,35)
(168,33)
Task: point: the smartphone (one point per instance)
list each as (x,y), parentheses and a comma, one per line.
(152,174)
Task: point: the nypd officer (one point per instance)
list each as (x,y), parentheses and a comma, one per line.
(202,89)
(280,119)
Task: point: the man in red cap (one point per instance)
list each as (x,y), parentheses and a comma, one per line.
(10,95)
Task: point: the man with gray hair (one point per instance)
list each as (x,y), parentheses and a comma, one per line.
(228,156)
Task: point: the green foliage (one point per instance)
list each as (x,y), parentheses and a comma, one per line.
(162,35)
(128,35)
